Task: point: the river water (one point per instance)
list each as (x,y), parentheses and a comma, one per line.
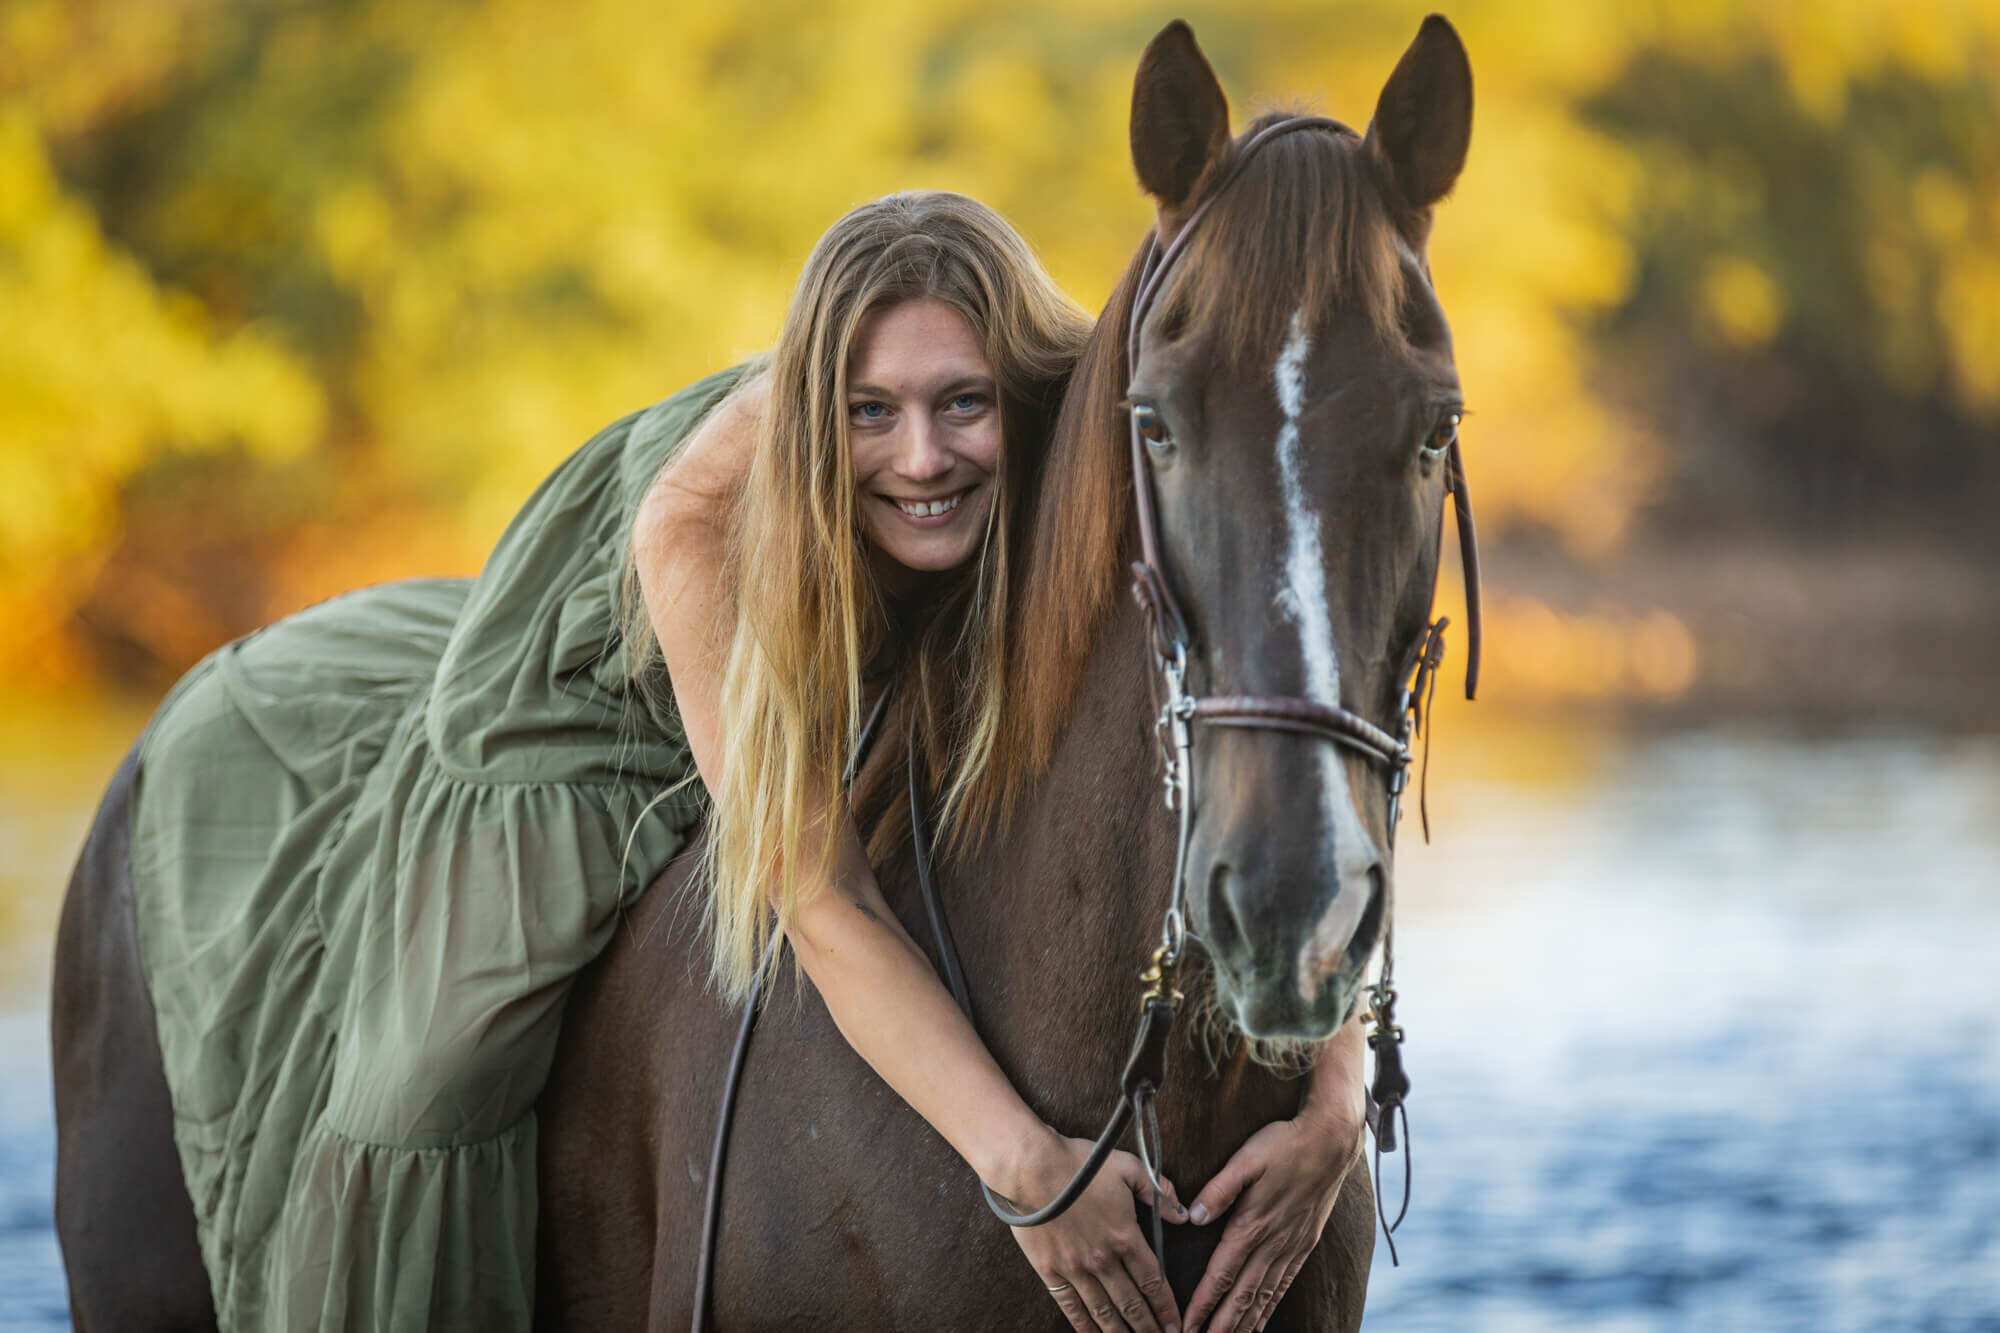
(1704,1030)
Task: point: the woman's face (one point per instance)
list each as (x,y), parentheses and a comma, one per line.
(925,425)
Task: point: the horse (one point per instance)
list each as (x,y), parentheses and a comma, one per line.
(1294,398)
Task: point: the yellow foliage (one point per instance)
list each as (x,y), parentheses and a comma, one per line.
(1970,301)
(1941,206)
(105,371)
(543,216)
(1742,302)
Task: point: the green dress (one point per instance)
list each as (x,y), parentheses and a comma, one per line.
(373,844)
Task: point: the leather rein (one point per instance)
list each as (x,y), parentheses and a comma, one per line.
(1389,752)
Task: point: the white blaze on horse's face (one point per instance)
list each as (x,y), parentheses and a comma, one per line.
(1348,852)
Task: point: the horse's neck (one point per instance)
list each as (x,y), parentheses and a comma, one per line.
(1065,909)
(1060,903)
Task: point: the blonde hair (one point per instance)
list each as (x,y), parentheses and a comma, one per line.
(810,617)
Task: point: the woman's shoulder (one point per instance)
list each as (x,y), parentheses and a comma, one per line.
(658,436)
(545,606)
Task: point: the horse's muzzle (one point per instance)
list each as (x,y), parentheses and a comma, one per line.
(1288,964)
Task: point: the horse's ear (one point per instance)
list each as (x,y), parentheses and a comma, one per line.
(1423,121)
(1180,120)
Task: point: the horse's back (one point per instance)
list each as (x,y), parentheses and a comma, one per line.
(629,1072)
(123,1216)
(831,1212)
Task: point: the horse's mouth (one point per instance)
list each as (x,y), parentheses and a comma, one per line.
(1307,993)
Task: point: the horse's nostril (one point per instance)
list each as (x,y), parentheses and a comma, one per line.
(1369,929)
(1225,929)
(1336,949)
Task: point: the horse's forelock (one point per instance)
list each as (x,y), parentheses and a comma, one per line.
(1303,224)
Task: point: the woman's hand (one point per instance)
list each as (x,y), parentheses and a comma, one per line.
(1282,1183)
(1093,1259)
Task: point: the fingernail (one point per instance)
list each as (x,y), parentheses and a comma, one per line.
(1199,1213)
(1173,1328)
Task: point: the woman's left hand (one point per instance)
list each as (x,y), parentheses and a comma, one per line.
(1282,1183)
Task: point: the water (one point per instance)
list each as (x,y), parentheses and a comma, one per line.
(1709,1042)
(1704,1029)
(32,1295)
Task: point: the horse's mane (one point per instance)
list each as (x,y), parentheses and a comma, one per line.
(1302,225)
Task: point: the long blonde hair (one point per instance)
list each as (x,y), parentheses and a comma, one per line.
(811,620)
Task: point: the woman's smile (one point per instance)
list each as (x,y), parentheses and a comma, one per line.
(935,513)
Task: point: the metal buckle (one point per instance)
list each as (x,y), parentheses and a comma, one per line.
(1172,727)
(1161,977)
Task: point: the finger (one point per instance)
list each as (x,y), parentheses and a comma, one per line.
(1071,1304)
(1217,1196)
(1284,1285)
(1103,1310)
(1270,1289)
(1135,1311)
(1145,1273)
(1223,1276)
(1142,1188)
(1252,1296)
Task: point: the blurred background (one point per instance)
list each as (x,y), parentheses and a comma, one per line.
(298,295)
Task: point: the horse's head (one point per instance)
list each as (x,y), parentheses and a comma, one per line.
(1295,387)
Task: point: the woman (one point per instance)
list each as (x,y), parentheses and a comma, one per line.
(408,817)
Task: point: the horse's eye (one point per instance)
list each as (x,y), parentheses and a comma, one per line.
(1153,430)
(1443,435)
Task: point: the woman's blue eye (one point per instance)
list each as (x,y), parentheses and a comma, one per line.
(967,402)
(870,411)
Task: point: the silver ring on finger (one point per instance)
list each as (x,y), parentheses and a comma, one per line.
(1064,1286)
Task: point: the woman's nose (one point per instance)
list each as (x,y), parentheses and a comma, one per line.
(925,454)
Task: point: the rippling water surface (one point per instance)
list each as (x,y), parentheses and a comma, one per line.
(1708,1041)
(1705,1033)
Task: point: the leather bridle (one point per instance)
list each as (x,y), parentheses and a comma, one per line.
(1326,720)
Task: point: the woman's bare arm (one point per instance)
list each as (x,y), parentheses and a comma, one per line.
(877,984)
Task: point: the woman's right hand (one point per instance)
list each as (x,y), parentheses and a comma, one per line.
(1093,1259)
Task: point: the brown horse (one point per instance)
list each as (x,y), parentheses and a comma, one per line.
(842,1208)
(1297,382)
